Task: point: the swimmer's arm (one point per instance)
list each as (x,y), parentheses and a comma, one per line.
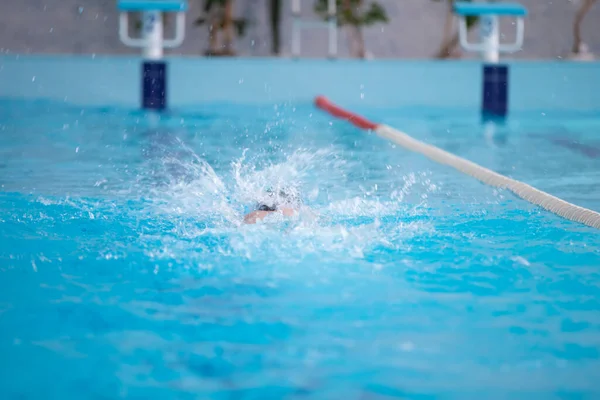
(288,212)
(255,216)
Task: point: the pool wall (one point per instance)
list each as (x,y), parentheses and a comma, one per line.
(112,80)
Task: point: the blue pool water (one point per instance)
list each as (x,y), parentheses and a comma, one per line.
(125,271)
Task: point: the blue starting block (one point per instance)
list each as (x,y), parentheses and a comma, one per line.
(152,5)
(495,75)
(499,9)
(152,43)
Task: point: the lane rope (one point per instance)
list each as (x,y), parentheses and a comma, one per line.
(526,192)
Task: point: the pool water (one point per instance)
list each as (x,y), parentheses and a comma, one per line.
(125,270)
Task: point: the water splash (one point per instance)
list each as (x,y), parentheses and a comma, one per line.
(203,208)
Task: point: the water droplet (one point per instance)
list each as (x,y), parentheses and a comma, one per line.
(362,96)
(33,79)
(80,9)
(76,149)
(407,346)
(240,81)
(51,30)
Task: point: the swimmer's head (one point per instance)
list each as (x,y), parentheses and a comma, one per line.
(277,198)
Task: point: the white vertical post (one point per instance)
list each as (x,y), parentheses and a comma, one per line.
(331,7)
(332,20)
(152,32)
(490,38)
(296,28)
(295,7)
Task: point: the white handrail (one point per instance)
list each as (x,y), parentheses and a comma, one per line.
(480,47)
(141,42)
(179,32)
(124,32)
(463,33)
(511,48)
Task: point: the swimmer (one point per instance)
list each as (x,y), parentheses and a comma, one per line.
(286,203)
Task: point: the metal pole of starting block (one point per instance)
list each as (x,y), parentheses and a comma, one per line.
(154,68)
(152,28)
(495,75)
(490,38)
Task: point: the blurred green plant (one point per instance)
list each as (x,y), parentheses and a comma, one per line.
(355,15)
(451,39)
(218,15)
(350,12)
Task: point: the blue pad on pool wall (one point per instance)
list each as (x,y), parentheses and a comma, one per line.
(495,90)
(154,85)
